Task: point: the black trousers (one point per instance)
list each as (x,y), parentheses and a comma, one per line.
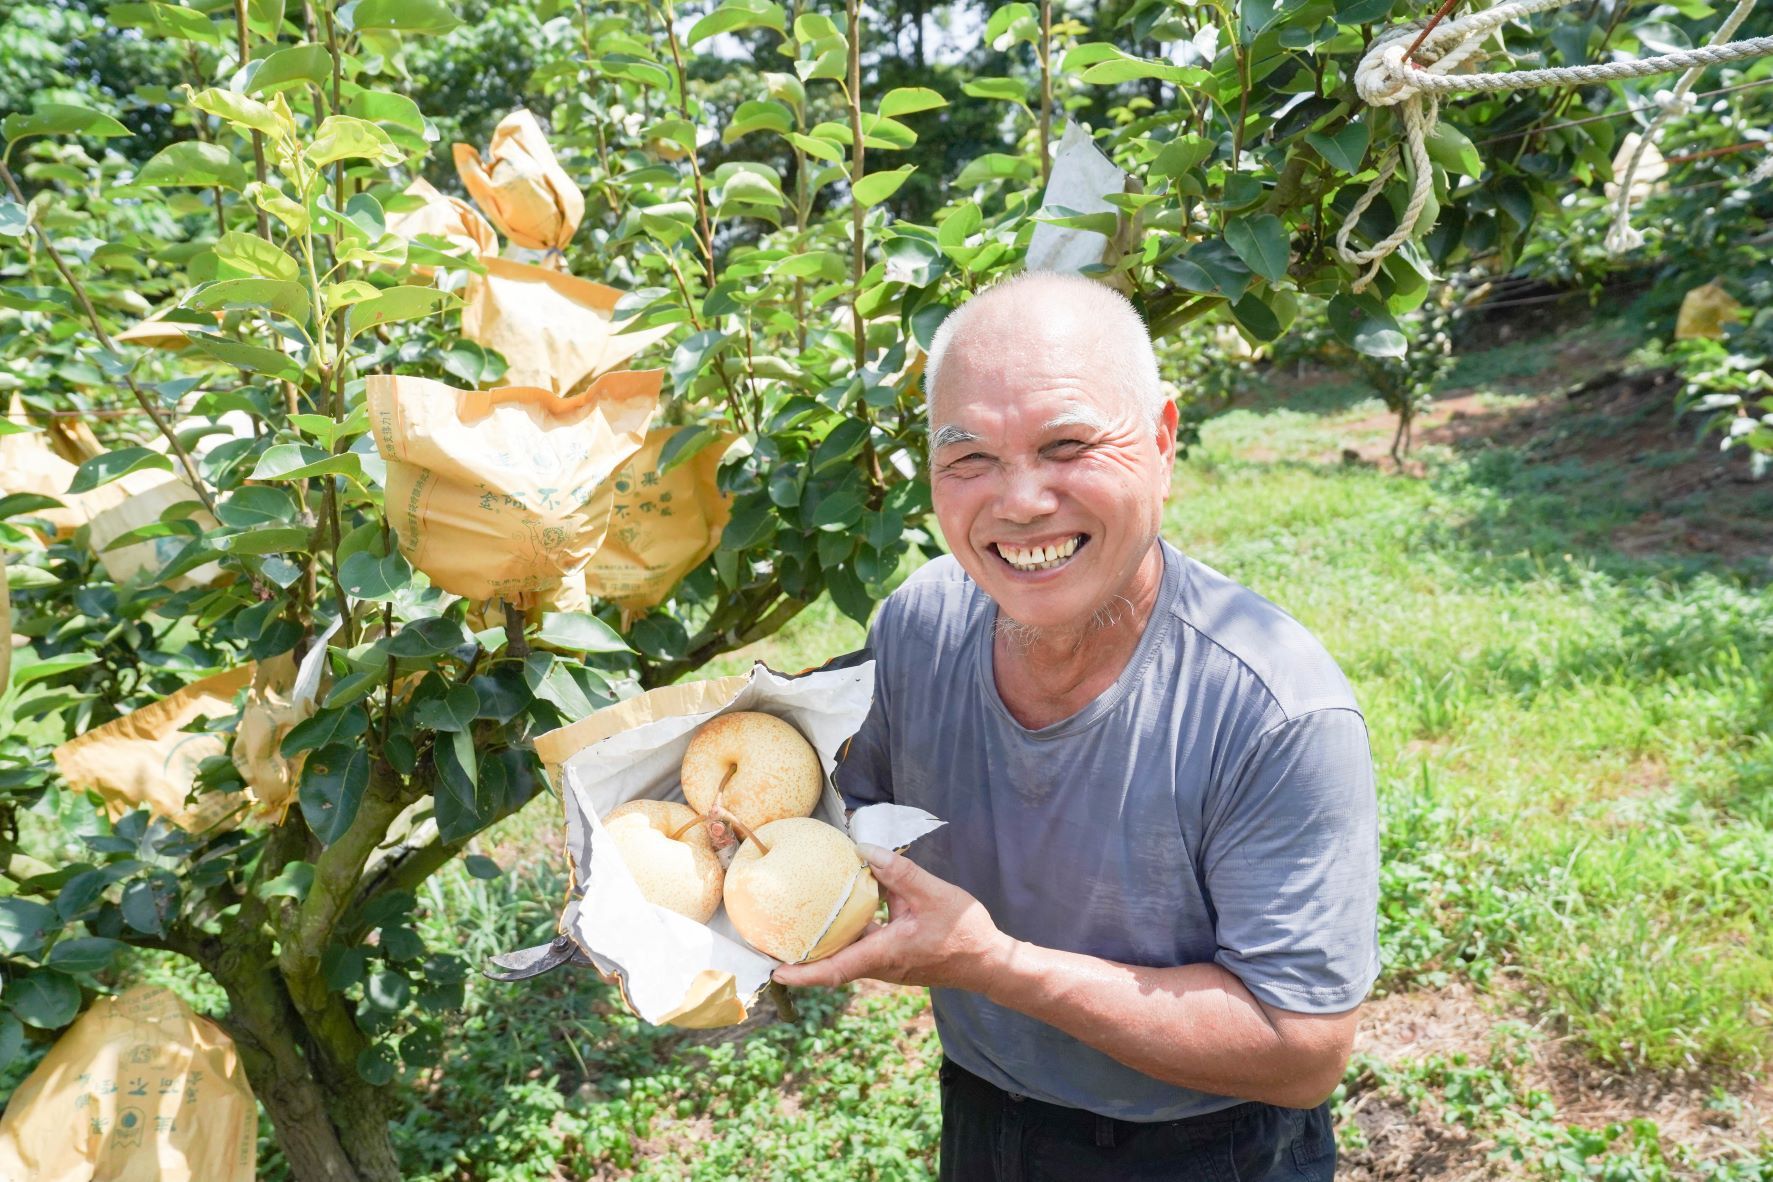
(990,1135)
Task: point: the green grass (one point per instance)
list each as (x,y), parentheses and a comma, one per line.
(1575,770)
(1575,759)
(1576,809)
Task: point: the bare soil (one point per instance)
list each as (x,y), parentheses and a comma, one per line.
(1457,1020)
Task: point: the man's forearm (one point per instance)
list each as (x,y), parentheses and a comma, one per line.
(1195,1026)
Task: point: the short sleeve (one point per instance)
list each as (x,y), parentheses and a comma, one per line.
(1291,863)
(865,774)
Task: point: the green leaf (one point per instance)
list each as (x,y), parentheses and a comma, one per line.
(293,66)
(25,925)
(871,190)
(685,444)
(848,593)
(84,954)
(1453,150)
(426,638)
(818,149)
(61,119)
(401,303)
(1365,326)
(411,17)
(251,256)
(451,713)
(994,166)
(367,576)
(299,461)
(579,632)
(251,506)
(323,729)
(376,1064)
(150,901)
(480,866)
(1005,90)
(1181,154)
(292,882)
(844,441)
(909,100)
(343,967)
(735,15)
(840,510)
(353,686)
(15,222)
(12,1039)
(333,780)
(260,541)
(1261,242)
(1346,150)
(285,298)
(50,666)
(758,115)
(102,469)
(1256,317)
(45,999)
(346,137)
(463,803)
(193,163)
(692,354)
(253,358)
(475,364)
(243,113)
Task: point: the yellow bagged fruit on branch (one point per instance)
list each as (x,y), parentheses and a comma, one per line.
(142,498)
(447,217)
(554,330)
(147,760)
(272,709)
(505,493)
(1705,312)
(138,1089)
(29,465)
(662,524)
(520,185)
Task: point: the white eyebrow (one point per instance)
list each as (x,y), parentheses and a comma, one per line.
(948,435)
(1089,420)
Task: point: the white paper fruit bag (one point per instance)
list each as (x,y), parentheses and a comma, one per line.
(672,969)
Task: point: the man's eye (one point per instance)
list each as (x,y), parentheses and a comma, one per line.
(1065,448)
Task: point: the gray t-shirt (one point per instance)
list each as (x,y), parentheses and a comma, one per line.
(1215,804)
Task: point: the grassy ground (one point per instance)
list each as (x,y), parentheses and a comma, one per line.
(1556,618)
(1572,729)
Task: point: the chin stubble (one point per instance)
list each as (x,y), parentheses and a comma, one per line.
(1025,636)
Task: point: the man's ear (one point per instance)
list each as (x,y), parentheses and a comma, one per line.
(1166,439)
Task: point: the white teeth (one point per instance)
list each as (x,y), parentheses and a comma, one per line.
(1035,558)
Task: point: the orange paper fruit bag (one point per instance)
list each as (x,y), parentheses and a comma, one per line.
(504,493)
(554,330)
(521,186)
(662,524)
(139,1089)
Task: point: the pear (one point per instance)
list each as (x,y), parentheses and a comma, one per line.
(752,768)
(799,890)
(668,851)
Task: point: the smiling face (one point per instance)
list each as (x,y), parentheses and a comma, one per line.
(1048,477)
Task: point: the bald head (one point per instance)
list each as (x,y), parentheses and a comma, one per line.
(1042,312)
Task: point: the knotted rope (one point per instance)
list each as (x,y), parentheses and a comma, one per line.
(1385,77)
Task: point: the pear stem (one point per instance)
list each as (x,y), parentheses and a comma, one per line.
(745,831)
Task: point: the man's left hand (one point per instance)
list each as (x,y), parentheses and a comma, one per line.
(937,934)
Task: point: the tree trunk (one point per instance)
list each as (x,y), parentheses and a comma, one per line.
(330,1124)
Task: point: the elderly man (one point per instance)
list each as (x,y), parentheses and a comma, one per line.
(1152,913)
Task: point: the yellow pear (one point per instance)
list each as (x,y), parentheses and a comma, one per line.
(667,850)
(799,890)
(751,767)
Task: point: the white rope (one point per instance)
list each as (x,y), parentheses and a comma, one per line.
(1621,235)
(1385,78)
